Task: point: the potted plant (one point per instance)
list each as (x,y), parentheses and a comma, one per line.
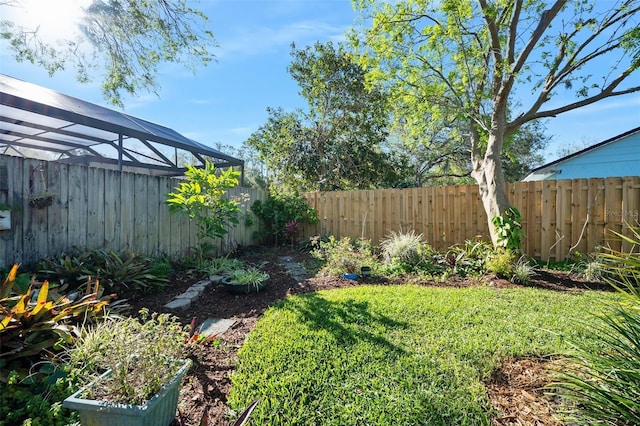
(350,268)
(132,369)
(245,280)
(41,200)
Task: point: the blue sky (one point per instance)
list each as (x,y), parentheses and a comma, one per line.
(226,101)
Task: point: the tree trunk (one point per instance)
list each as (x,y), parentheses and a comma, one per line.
(487,172)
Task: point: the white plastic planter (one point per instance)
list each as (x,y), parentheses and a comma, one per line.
(160,410)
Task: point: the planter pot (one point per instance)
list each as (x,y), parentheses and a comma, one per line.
(41,201)
(350,276)
(234,288)
(160,410)
(365,271)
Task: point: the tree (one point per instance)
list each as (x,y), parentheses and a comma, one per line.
(202,197)
(130,37)
(337,142)
(470,60)
(440,156)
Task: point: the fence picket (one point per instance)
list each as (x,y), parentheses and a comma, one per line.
(554,213)
(92,208)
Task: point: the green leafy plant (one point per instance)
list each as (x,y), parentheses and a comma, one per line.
(223,265)
(68,268)
(605,384)
(142,354)
(509,231)
(36,324)
(279,212)
(500,262)
(202,197)
(126,273)
(344,255)
(250,276)
(31,401)
(622,267)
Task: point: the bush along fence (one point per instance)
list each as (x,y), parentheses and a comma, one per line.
(55,207)
(559,217)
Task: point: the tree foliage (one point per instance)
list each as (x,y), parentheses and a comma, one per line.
(129,38)
(441,155)
(464,60)
(337,143)
(202,197)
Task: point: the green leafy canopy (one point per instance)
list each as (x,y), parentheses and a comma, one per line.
(128,39)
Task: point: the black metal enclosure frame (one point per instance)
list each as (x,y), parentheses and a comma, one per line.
(34,119)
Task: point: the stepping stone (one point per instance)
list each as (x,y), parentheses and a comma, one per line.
(296,270)
(215,326)
(179,304)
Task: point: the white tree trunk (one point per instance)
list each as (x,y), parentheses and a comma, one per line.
(487,171)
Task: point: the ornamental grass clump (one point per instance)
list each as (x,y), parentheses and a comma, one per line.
(402,247)
(143,355)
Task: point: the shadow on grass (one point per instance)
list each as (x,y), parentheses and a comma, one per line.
(349,321)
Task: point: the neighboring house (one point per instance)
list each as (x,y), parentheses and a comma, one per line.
(615,157)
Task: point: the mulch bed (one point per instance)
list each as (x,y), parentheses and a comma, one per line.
(515,390)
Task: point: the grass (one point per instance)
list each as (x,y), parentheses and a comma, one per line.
(398,355)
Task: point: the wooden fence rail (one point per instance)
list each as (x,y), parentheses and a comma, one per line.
(559,217)
(95,208)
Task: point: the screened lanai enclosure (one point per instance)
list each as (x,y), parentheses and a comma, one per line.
(76,174)
(38,122)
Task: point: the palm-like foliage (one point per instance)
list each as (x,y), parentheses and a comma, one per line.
(605,385)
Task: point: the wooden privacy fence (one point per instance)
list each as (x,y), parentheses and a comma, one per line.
(95,208)
(559,217)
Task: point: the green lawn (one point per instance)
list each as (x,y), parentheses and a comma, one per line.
(398,355)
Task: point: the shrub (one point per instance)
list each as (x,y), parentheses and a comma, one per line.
(27,402)
(500,262)
(282,214)
(466,259)
(69,268)
(124,273)
(127,273)
(201,197)
(344,255)
(39,322)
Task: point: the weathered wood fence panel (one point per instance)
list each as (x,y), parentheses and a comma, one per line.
(559,217)
(95,208)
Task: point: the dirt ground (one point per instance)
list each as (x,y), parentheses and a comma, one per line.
(515,390)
